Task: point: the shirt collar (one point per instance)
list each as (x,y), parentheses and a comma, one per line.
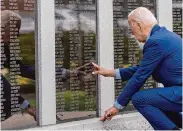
(148,36)
(152,30)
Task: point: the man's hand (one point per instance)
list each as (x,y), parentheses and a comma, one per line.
(111,112)
(98,70)
(77,72)
(80,71)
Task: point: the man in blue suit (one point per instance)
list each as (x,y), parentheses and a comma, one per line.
(162,58)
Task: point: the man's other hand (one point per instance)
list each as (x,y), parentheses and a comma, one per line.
(109,113)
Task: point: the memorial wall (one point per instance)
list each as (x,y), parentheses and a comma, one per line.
(75,49)
(127,51)
(17,64)
(177,17)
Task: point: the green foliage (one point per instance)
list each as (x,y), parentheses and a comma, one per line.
(69,99)
(27,46)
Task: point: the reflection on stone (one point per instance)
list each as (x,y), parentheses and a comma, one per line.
(75,50)
(17,63)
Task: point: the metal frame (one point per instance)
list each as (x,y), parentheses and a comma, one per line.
(45,62)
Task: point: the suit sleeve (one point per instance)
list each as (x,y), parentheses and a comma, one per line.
(127,73)
(27,71)
(152,56)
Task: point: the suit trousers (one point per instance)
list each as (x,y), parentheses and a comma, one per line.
(160,106)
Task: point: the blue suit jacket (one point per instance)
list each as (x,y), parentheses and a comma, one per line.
(162,58)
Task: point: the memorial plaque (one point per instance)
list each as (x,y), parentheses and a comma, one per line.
(75,47)
(17,64)
(127,51)
(177,17)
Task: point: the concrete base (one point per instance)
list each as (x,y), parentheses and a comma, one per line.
(18,121)
(131,121)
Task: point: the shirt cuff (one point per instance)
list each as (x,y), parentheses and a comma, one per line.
(24,105)
(117,105)
(118,76)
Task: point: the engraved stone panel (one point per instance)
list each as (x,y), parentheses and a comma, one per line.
(75,50)
(17,63)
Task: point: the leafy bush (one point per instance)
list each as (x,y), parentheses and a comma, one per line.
(69,100)
(27,46)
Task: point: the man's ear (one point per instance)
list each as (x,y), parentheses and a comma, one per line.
(139,25)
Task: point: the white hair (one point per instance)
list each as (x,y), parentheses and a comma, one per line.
(142,14)
(6,15)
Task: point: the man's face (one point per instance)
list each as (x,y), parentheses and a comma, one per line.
(136,30)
